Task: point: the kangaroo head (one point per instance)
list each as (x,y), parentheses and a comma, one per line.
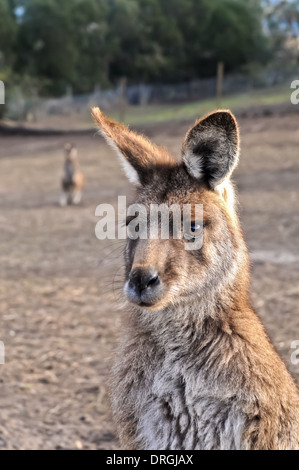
(161,272)
(71,153)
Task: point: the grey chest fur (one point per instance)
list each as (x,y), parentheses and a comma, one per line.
(180,414)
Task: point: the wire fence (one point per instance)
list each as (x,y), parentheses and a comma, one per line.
(35,108)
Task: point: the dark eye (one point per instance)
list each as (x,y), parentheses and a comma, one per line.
(195,227)
(194,230)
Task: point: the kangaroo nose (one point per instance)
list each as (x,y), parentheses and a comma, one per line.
(144,285)
(141,279)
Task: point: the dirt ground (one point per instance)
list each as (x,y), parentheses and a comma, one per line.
(60,286)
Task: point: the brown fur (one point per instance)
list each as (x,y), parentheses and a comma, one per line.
(129,143)
(195,368)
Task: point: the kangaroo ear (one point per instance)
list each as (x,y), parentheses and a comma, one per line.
(138,155)
(211,148)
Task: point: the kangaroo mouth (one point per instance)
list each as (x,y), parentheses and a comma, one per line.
(144,289)
(150,305)
(146,303)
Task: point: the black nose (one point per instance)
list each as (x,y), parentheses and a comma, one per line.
(144,286)
(141,280)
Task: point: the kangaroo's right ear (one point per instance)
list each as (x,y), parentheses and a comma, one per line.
(136,152)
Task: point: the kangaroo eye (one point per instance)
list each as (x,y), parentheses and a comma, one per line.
(193,231)
(195,227)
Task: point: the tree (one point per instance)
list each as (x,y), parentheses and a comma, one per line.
(145,39)
(7,34)
(46,42)
(282,20)
(88,42)
(221,30)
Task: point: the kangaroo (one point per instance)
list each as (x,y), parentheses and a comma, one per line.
(73,179)
(195,368)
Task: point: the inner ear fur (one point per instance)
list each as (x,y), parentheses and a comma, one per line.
(211,148)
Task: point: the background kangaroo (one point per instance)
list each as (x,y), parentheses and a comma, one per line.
(195,368)
(73,178)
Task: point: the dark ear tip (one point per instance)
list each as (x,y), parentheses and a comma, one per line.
(223,117)
(211,147)
(228,115)
(222,112)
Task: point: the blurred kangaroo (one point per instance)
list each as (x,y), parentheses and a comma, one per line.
(73,178)
(195,368)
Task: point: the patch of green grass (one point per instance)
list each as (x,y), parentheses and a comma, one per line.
(137,115)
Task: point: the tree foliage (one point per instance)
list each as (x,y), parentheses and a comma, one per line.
(8,30)
(85,43)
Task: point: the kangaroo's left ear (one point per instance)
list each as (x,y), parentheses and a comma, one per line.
(211,148)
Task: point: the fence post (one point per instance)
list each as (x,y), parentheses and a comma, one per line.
(69,91)
(220,73)
(123,98)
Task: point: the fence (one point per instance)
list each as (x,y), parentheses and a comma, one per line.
(36,108)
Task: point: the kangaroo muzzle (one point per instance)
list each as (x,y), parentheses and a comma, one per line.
(144,287)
